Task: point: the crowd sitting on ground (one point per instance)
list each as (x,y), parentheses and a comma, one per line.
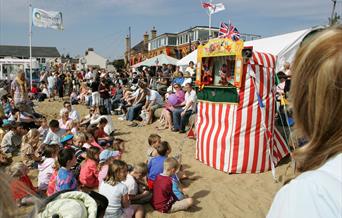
(80,158)
(134,95)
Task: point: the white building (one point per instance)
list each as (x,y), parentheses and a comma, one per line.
(43,55)
(92,59)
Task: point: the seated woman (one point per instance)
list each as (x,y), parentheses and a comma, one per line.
(174,101)
(64,121)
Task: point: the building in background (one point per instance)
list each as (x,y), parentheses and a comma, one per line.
(176,45)
(92,59)
(43,55)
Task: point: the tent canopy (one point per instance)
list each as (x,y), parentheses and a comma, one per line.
(157,60)
(190,57)
(283,46)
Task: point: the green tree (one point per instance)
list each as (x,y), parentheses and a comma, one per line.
(119,63)
(335,20)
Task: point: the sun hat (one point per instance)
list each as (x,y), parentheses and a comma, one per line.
(106,154)
(67,138)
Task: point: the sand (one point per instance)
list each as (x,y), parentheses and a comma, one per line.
(216,193)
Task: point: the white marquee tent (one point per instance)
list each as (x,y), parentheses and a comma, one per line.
(157,60)
(283,46)
(190,57)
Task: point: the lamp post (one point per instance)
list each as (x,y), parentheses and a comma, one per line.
(190,35)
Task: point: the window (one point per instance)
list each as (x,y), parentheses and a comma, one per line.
(43,60)
(218,66)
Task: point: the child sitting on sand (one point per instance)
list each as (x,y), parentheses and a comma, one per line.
(65,179)
(55,133)
(90,140)
(163,199)
(106,157)
(100,135)
(46,167)
(89,169)
(21,185)
(44,128)
(153,141)
(156,164)
(117,193)
(137,190)
(30,148)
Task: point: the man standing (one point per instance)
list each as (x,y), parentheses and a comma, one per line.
(181,116)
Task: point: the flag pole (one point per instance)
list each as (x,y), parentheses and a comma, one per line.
(30,39)
(210,20)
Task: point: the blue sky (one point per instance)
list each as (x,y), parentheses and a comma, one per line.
(103,24)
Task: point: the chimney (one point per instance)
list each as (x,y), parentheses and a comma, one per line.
(153,33)
(145,38)
(127,43)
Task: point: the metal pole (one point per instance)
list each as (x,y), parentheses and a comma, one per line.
(333,12)
(210,20)
(190,40)
(129,45)
(30,39)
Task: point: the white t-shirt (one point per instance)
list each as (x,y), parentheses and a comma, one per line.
(51,81)
(54,138)
(190,70)
(191,97)
(74,115)
(114,195)
(155,96)
(131,184)
(316,193)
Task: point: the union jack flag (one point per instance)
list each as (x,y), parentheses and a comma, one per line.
(229,31)
(207,5)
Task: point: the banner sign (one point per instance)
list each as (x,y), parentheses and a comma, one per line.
(47,19)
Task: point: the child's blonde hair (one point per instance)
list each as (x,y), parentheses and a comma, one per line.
(16,170)
(74,123)
(170,163)
(140,168)
(114,168)
(80,137)
(30,136)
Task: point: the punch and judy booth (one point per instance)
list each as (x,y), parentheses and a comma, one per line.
(236,108)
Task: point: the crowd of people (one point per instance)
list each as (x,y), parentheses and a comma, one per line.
(80,157)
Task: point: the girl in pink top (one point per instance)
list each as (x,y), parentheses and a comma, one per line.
(89,169)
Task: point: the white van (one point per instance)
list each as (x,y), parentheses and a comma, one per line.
(9,67)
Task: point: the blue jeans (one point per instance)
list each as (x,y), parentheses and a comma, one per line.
(133,111)
(179,122)
(106,102)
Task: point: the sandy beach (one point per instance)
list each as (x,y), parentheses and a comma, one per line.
(216,194)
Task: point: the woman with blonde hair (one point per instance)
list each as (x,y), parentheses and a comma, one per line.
(64,121)
(317,107)
(19,88)
(30,148)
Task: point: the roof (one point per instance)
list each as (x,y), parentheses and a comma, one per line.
(24,51)
(140,47)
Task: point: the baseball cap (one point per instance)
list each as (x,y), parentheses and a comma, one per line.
(67,138)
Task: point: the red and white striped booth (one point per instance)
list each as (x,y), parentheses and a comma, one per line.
(241,137)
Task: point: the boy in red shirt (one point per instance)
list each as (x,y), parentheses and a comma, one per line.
(163,198)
